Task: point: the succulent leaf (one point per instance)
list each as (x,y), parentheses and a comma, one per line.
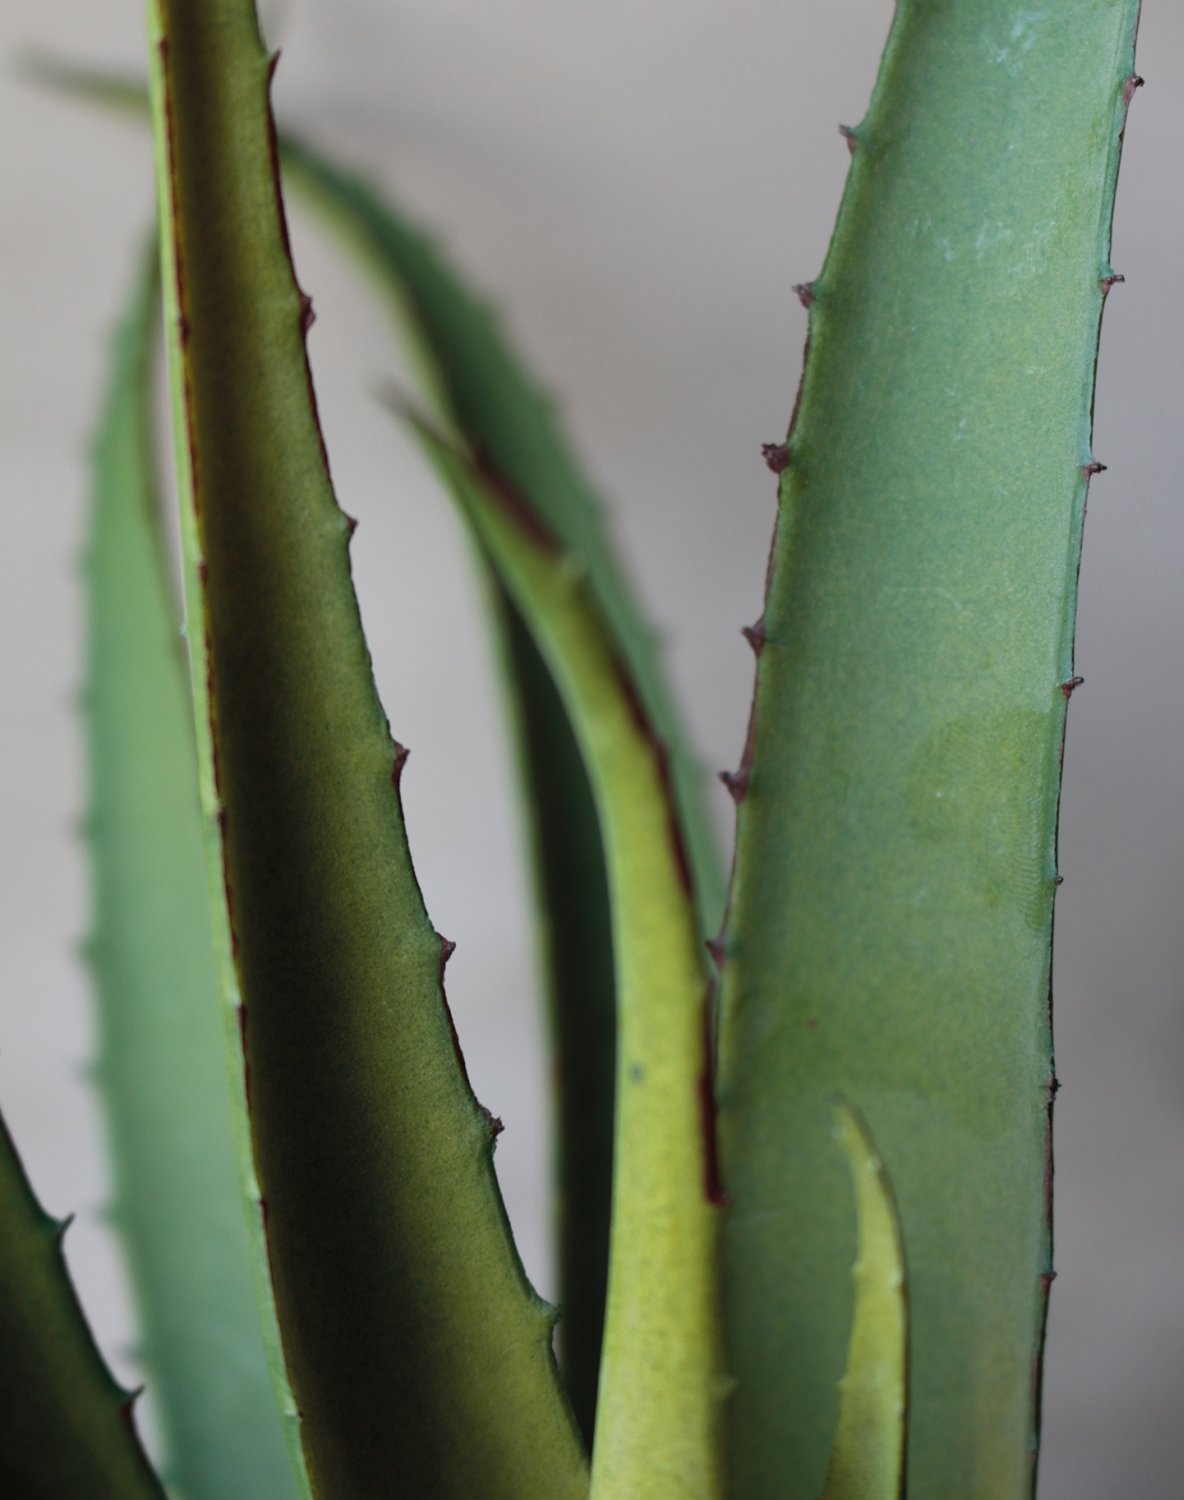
(162,1074)
(480,394)
(66,1427)
(889,936)
(418,1356)
(662,1384)
(868,1451)
(482,397)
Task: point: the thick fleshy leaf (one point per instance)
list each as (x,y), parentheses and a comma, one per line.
(65,1426)
(485,400)
(662,1383)
(890,924)
(867,1456)
(162,1073)
(418,1355)
(481,395)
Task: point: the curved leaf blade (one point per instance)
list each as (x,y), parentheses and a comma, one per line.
(890,927)
(481,395)
(417,1353)
(662,1384)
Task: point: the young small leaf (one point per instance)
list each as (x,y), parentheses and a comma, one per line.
(867,1456)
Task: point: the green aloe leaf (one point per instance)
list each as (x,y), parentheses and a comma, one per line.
(662,1385)
(481,395)
(483,398)
(162,1048)
(416,1351)
(867,1457)
(889,937)
(65,1426)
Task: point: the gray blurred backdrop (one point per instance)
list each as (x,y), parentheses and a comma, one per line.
(638,183)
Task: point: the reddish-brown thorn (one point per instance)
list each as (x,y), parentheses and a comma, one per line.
(401,754)
(447,949)
(1058,881)
(1093,467)
(755,636)
(777,456)
(127,1408)
(850,137)
(736,783)
(719,955)
(308,314)
(351,522)
(58,1233)
(1113,278)
(805,293)
(1071,686)
(1129,87)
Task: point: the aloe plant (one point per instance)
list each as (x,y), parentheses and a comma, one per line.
(804,1160)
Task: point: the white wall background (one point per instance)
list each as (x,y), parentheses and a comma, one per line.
(639,183)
